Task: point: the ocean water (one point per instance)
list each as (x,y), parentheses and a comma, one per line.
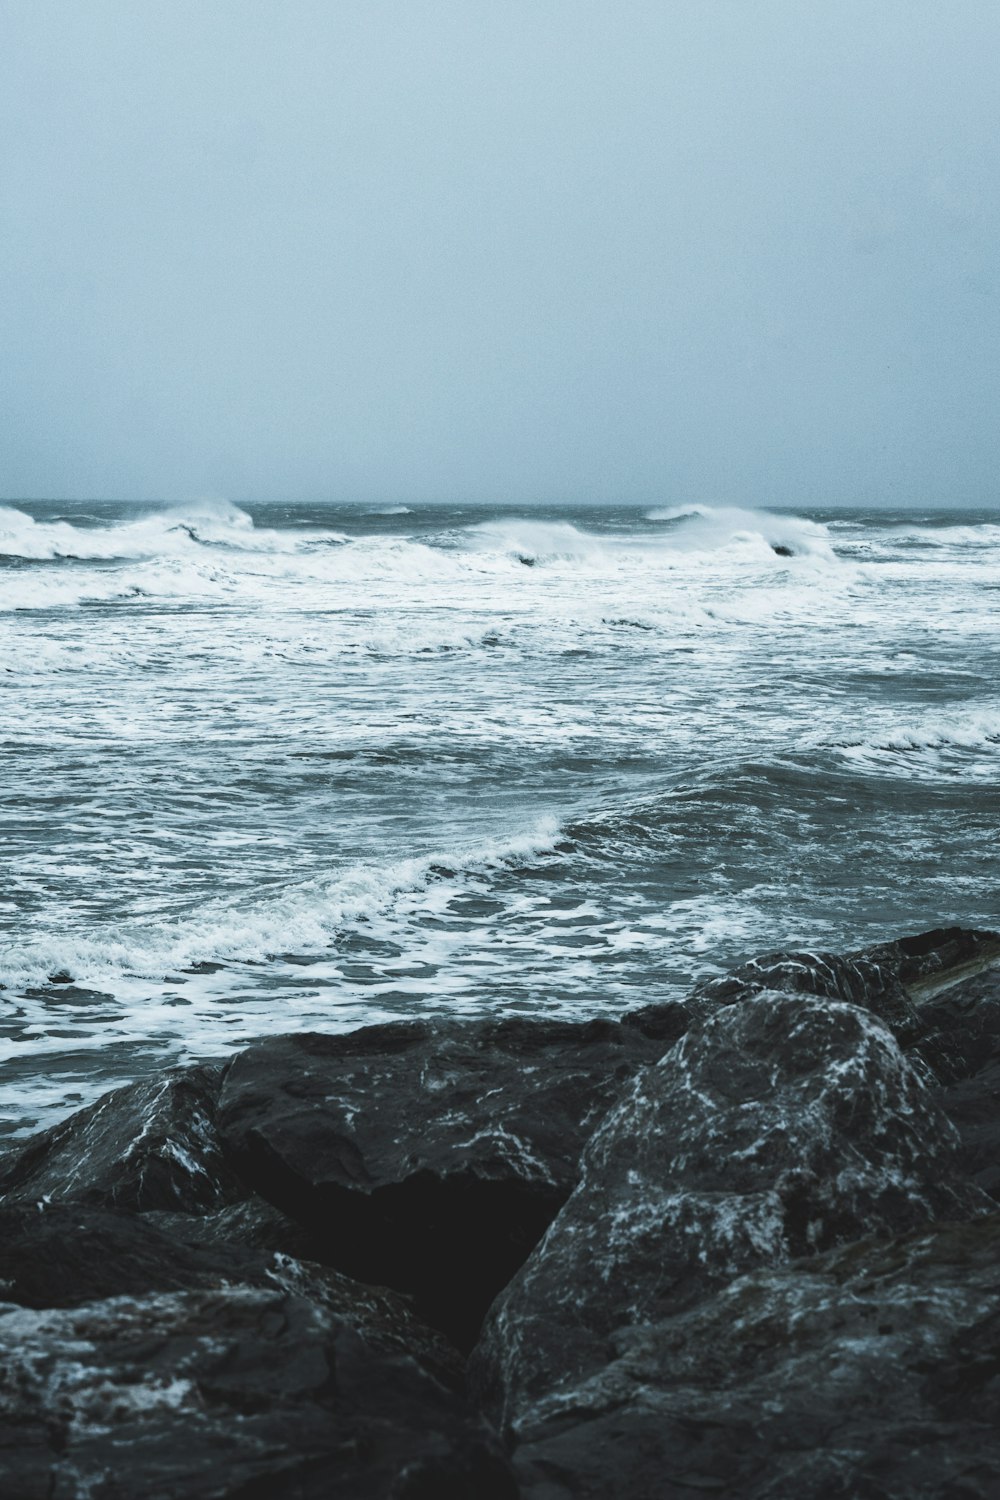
(295,766)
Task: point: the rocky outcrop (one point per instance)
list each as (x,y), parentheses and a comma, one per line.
(963,1035)
(857,978)
(252,1222)
(929,962)
(236,1391)
(428,1157)
(68,1255)
(151,1145)
(781,1127)
(743,1245)
(867,1371)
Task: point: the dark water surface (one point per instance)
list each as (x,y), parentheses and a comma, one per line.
(303,766)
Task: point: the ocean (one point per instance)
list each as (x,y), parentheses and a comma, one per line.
(289,766)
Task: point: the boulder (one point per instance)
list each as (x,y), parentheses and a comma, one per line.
(962,1028)
(867,1371)
(150,1145)
(856,978)
(253,1223)
(428,1157)
(225,1392)
(781,1127)
(928,962)
(65,1254)
(71,1254)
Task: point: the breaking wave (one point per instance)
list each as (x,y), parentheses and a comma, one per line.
(708,528)
(305,921)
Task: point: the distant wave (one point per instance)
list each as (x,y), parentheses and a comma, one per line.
(986,532)
(392,510)
(678,512)
(213,552)
(529,541)
(172,532)
(708,528)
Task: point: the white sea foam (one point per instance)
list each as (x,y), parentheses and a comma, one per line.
(173,532)
(248,739)
(968,740)
(303,920)
(707,528)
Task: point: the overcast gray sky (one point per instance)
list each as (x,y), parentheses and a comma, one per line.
(735,250)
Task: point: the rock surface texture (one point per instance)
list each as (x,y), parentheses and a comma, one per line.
(237,1391)
(870,1371)
(962,1034)
(151,1145)
(428,1157)
(747,1245)
(783,1126)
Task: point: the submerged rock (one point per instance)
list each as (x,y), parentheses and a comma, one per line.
(232,1391)
(151,1145)
(867,1371)
(429,1157)
(781,1127)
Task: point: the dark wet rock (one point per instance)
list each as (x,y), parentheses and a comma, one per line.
(663,1023)
(253,1223)
(781,1127)
(870,1371)
(151,1145)
(963,1035)
(928,962)
(241,1391)
(427,1157)
(70,1254)
(857,979)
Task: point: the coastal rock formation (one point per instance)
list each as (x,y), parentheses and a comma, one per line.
(857,979)
(768,1265)
(868,1371)
(963,1035)
(430,1157)
(151,1145)
(928,962)
(239,1390)
(783,1126)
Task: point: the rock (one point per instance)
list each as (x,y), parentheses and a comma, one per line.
(237,1391)
(70,1254)
(893,980)
(963,1035)
(868,1371)
(253,1223)
(929,962)
(781,1127)
(856,978)
(150,1145)
(428,1157)
(73,1253)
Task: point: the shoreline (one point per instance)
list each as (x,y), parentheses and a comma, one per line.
(584,1211)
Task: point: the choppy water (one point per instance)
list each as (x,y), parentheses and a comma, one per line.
(316,766)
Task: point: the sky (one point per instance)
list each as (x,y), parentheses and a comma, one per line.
(741,251)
